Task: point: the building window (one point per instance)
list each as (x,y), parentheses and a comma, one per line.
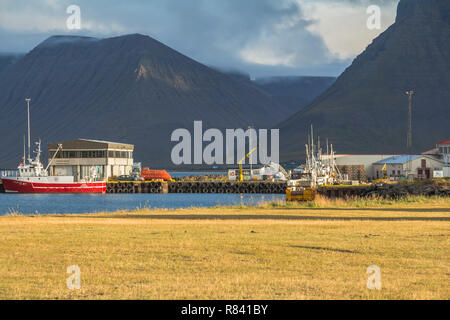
(116,154)
(99,154)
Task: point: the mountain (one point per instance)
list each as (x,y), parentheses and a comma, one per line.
(130,89)
(7,60)
(294,92)
(366,109)
(235,74)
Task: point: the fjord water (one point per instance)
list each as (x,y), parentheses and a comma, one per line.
(90,203)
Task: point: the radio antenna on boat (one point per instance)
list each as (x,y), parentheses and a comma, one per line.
(24,159)
(29,138)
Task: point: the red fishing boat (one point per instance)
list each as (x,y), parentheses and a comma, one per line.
(32,177)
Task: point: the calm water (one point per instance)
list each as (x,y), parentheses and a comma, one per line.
(90,203)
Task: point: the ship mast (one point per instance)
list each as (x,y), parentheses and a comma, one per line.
(29,134)
(24,159)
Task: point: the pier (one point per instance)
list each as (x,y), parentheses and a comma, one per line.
(341,191)
(263,187)
(210,187)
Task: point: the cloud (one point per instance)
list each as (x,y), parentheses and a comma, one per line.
(343,24)
(263,37)
(283,44)
(50,16)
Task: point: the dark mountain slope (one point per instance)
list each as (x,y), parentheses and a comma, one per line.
(365,110)
(130,89)
(7,60)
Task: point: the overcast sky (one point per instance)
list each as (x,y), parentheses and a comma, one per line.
(260,37)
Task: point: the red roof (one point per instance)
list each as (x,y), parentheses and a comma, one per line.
(444,142)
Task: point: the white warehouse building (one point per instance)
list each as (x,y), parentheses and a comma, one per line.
(410,166)
(363,160)
(80,157)
(434,163)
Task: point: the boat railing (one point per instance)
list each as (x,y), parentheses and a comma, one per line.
(8,173)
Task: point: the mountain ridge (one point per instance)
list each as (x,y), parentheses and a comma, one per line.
(365,110)
(131,89)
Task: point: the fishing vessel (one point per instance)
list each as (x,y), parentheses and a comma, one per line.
(32,177)
(319,170)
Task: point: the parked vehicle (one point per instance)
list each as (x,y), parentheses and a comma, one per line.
(129,178)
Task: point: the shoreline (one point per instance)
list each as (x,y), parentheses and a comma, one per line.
(410,207)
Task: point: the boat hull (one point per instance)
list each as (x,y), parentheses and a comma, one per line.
(18,186)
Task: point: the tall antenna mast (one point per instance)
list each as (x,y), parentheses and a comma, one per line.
(250,128)
(409,136)
(24,159)
(29,138)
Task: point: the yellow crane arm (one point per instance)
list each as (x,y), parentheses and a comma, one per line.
(241,175)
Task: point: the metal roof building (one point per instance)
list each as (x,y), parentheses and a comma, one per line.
(398,159)
(410,166)
(82,156)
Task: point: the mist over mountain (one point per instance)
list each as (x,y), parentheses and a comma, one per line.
(294,92)
(130,89)
(366,109)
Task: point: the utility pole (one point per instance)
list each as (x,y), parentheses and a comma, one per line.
(29,138)
(409,136)
(250,130)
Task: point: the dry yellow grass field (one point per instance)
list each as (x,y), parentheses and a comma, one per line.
(268,252)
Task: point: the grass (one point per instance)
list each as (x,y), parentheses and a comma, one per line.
(357,202)
(268,252)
